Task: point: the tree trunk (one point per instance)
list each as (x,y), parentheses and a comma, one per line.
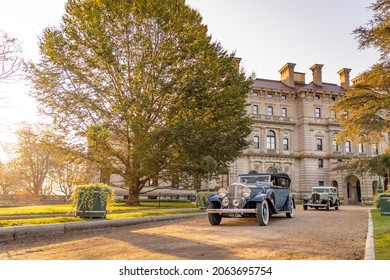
(134,190)
(197,182)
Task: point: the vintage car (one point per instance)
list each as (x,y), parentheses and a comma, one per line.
(258,195)
(322,197)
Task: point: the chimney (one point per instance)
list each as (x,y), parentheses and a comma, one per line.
(344,77)
(287,74)
(237,61)
(317,74)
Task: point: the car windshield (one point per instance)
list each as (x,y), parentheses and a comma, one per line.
(321,190)
(255,179)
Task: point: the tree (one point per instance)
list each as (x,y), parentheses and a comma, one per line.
(378,165)
(34,157)
(67,171)
(142,85)
(364,111)
(10,60)
(9,179)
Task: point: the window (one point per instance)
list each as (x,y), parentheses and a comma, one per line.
(284,112)
(271,140)
(321,183)
(348,147)
(284,97)
(255,93)
(319,144)
(256,142)
(255,109)
(318,97)
(317,112)
(270,95)
(361,148)
(285,144)
(320,163)
(336,146)
(375,149)
(270,111)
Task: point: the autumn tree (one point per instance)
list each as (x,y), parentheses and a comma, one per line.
(10,181)
(364,112)
(143,87)
(34,157)
(67,170)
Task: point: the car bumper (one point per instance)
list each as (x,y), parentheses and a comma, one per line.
(231,211)
(315,204)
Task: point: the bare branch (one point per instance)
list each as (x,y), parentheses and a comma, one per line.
(10,59)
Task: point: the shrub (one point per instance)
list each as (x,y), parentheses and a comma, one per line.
(377,197)
(202,199)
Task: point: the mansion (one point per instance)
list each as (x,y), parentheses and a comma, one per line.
(294,131)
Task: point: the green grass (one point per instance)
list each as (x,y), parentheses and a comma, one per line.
(117,211)
(113,216)
(38,221)
(35,210)
(67,208)
(381,226)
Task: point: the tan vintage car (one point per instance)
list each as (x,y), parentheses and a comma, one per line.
(322,197)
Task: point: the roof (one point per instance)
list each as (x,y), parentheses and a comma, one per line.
(278,85)
(285,175)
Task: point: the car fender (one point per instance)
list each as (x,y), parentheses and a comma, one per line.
(262,197)
(288,201)
(214,197)
(259,197)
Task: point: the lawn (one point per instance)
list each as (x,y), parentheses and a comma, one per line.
(117,211)
(67,208)
(381,226)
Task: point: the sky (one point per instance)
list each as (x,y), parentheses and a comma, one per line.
(265,34)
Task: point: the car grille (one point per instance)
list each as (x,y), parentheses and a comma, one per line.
(235,191)
(235,194)
(315,198)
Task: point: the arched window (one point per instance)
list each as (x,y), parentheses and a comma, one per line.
(271,140)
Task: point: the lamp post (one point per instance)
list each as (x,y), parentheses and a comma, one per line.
(380,187)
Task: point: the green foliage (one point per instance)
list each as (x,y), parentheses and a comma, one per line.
(202,199)
(364,111)
(378,197)
(84,196)
(141,83)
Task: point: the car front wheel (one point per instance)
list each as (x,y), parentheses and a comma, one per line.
(262,216)
(214,218)
(328,205)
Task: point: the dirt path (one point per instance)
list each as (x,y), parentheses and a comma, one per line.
(312,234)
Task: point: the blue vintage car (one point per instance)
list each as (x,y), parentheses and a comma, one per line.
(258,195)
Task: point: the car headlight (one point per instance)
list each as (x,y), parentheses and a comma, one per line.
(225,202)
(222,192)
(246,192)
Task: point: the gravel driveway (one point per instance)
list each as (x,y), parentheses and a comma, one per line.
(311,234)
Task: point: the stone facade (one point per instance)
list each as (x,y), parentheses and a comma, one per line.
(294,131)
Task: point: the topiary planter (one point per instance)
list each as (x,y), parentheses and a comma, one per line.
(91,201)
(202,199)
